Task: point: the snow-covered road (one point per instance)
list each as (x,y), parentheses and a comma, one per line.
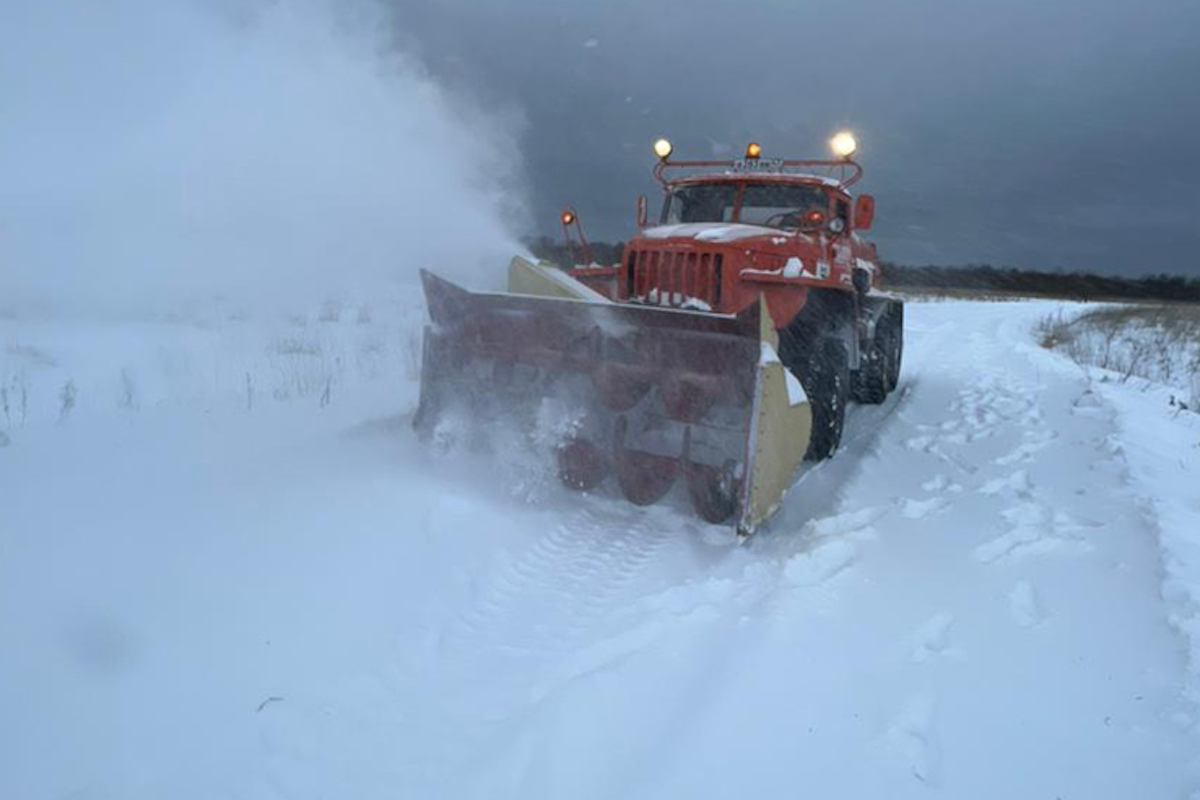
(303,602)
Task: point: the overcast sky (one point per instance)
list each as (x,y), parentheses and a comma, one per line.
(1034,133)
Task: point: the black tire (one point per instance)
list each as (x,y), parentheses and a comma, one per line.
(826,380)
(891,335)
(870,384)
(895,344)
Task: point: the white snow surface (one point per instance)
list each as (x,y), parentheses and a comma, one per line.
(707,231)
(673,299)
(795,389)
(792,268)
(228,569)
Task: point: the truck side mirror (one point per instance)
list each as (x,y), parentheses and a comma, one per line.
(864,211)
(641,211)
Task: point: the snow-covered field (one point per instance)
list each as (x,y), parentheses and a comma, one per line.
(227,569)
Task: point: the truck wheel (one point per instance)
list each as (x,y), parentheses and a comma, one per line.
(826,380)
(895,344)
(870,382)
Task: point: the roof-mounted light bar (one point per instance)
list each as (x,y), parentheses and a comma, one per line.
(843,145)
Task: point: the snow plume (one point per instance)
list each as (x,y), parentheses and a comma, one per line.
(157,153)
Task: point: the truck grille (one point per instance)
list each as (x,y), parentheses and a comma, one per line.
(674,278)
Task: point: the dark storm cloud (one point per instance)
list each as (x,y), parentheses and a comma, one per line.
(1040,134)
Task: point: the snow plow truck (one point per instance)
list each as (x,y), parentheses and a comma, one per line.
(717,355)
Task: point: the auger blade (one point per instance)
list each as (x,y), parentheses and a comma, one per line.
(657,393)
(714,491)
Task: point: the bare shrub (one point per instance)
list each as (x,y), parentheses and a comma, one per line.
(66,398)
(1159,343)
(330,312)
(1194,381)
(1052,331)
(14,399)
(128,391)
(298,347)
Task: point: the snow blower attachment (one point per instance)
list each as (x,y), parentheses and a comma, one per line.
(647,397)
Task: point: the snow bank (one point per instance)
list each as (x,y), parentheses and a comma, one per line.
(1161,445)
(1141,362)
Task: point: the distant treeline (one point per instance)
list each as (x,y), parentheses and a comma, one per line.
(1072,285)
(969,277)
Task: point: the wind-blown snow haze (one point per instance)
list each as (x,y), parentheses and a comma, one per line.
(155,153)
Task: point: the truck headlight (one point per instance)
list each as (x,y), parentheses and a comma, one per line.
(843,144)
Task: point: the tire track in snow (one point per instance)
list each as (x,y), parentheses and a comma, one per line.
(542,616)
(575,572)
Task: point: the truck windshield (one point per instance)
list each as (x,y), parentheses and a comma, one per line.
(705,202)
(782,205)
(775,205)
